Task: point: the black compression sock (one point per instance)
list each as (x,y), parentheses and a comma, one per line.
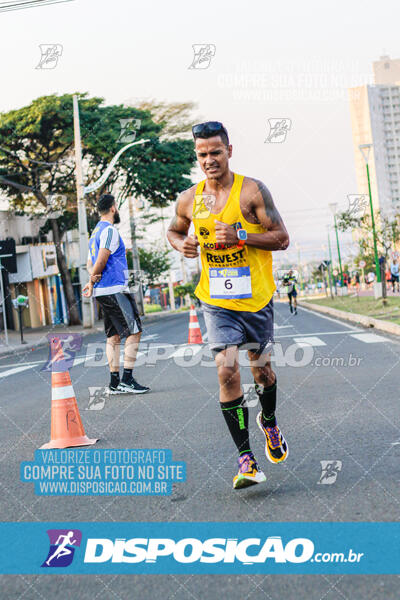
(114,379)
(237,418)
(267,396)
(127,375)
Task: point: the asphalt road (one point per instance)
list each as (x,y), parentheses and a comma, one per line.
(338,402)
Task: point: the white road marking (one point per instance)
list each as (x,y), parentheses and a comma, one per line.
(370,338)
(184,350)
(81,359)
(290,335)
(309,341)
(20,364)
(282,326)
(337,321)
(149,336)
(25,367)
(15,370)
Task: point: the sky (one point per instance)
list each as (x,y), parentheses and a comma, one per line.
(291,60)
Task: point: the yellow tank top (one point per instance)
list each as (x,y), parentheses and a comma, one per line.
(234,278)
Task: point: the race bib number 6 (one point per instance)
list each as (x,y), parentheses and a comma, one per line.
(230,283)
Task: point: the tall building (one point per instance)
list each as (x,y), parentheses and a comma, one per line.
(386,70)
(375,119)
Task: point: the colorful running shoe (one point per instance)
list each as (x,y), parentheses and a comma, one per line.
(249,472)
(276,448)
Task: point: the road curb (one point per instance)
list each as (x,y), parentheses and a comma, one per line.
(19,348)
(160,316)
(364,320)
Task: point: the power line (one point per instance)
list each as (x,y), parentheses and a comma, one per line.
(7,6)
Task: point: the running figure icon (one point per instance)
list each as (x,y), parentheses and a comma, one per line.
(62,549)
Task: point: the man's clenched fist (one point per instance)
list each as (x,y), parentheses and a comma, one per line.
(225,234)
(189,247)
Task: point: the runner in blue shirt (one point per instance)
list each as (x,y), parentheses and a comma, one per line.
(394,270)
(108,283)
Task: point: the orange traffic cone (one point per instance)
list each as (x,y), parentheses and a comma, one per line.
(66,425)
(194,328)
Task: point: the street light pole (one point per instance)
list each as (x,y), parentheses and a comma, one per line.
(338,250)
(330,264)
(333,207)
(87,306)
(367,148)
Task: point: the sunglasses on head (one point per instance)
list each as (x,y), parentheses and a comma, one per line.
(208,128)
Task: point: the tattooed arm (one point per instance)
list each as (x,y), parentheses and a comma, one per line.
(261,205)
(177,233)
(257,207)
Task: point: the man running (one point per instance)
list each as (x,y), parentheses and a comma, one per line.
(394,271)
(289,280)
(108,282)
(236,226)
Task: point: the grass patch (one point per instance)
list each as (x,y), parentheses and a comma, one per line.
(152,308)
(365,305)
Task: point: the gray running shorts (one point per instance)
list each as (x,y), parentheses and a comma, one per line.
(236,328)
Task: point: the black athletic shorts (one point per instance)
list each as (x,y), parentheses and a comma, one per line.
(293,293)
(120,313)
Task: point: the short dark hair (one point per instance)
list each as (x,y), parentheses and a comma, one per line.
(104,203)
(204,135)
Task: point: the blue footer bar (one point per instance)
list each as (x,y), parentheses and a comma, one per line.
(196,548)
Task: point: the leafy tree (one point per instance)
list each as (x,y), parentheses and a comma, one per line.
(37,163)
(154,264)
(387,232)
(369,262)
(175,118)
(180,291)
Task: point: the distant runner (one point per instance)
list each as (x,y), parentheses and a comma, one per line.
(289,280)
(394,271)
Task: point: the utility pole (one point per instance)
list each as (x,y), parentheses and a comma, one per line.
(170,282)
(184,279)
(3,299)
(300,269)
(136,261)
(171,290)
(86,303)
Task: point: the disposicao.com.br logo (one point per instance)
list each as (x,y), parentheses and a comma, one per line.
(62,547)
(248,551)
